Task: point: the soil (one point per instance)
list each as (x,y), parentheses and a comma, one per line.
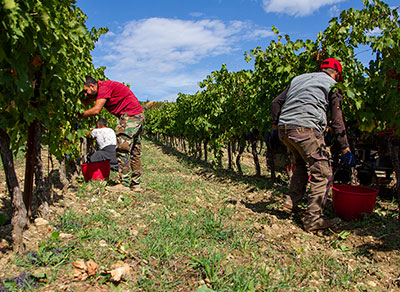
(374,248)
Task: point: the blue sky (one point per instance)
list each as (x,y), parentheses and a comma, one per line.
(162,47)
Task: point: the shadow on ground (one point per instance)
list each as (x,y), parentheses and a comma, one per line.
(382,226)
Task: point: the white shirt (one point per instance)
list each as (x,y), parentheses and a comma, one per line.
(104,137)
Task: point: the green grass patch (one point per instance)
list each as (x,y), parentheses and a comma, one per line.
(197,228)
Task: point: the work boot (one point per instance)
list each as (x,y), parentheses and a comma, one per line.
(289,207)
(321,223)
(118,188)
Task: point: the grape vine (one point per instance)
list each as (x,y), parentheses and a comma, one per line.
(44,55)
(232,104)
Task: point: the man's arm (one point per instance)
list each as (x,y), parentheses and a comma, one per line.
(96,109)
(335,98)
(276,108)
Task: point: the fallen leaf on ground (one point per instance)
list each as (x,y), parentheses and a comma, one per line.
(80,264)
(83,269)
(92,268)
(118,273)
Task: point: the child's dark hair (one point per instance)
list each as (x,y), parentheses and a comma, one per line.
(102,122)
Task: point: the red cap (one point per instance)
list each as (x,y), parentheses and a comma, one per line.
(334,64)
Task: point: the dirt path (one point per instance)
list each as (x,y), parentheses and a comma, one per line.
(357,256)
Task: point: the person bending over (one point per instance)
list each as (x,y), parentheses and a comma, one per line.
(299,117)
(120,101)
(107,141)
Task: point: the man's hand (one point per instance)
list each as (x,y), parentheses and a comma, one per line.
(96,109)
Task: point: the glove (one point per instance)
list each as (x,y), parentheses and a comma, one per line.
(349,159)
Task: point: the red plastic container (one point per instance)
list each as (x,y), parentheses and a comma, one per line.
(350,202)
(96,170)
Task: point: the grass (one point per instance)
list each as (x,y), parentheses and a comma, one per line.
(195,227)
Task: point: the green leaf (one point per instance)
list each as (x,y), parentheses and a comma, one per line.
(204,289)
(9,4)
(247,57)
(70,136)
(251,286)
(342,30)
(350,93)
(40,276)
(55,235)
(358,104)
(82,133)
(10,285)
(45,17)
(275,30)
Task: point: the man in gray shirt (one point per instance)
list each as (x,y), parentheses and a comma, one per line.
(299,116)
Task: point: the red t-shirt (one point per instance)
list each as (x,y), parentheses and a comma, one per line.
(120,99)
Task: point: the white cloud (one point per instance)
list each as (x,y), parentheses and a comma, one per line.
(334,11)
(297,8)
(159,57)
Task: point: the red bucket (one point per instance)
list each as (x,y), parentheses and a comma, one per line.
(96,170)
(350,202)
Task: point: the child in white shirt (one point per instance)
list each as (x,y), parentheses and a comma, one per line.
(106,140)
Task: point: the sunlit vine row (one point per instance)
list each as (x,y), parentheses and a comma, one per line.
(233,105)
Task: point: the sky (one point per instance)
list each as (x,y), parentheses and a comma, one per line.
(163,47)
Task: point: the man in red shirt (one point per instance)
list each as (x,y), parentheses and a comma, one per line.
(120,101)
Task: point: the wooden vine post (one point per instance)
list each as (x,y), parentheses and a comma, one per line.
(31,142)
(30,163)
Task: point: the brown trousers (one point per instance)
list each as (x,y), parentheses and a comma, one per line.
(311,158)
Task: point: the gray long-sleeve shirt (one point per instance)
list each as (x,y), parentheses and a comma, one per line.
(305,103)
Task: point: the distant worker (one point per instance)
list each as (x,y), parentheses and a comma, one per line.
(299,117)
(106,140)
(120,101)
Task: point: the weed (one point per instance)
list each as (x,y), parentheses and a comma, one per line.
(210,265)
(215,227)
(49,253)
(244,243)
(170,236)
(242,279)
(69,222)
(337,241)
(23,282)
